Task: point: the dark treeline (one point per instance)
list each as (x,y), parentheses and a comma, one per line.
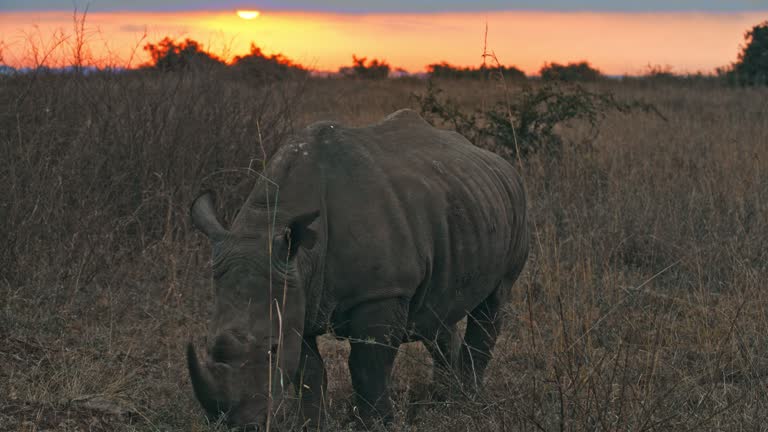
(170,55)
(446,70)
(581,71)
(365,69)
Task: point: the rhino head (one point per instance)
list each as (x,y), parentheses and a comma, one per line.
(258,317)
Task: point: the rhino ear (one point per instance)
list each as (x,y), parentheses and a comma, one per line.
(298,233)
(203,215)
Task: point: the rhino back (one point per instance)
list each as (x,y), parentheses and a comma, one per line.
(416,212)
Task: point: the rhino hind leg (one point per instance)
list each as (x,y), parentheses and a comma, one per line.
(483,326)
(311,383)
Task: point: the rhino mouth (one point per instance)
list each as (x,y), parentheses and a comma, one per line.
(206,380)
(203,384)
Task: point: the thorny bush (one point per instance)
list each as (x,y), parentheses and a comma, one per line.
(526,123)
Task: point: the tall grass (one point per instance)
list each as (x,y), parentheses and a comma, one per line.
(106,165)
(642,307)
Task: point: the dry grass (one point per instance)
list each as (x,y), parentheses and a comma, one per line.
(642,307)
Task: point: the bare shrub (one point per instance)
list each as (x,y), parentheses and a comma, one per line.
(526,121)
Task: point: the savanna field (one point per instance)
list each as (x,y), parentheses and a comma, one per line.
(643,305)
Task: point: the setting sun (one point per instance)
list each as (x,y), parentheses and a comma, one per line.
(248,14)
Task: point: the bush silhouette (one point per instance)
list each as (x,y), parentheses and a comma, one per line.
(752,66)
(446,70)
(362,68)
(571,72)
(168,55)
(275,66)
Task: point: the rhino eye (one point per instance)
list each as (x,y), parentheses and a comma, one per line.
(218,273)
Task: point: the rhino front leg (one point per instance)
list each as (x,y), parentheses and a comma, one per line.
(483,326)
(376,331)
(311,383)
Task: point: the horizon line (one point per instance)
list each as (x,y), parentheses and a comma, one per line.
(321,73)
(393,68)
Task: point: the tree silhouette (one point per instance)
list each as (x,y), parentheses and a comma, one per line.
(752,66)
(581,71)
(447,70)
(168,55)
(275,66)
(374,69)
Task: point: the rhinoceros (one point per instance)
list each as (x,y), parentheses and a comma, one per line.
(383,234)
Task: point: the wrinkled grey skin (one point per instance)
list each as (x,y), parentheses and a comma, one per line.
(385,234)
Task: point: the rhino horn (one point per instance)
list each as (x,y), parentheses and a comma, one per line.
(203,215)
(202,382)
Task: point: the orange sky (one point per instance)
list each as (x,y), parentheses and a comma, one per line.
(616,43)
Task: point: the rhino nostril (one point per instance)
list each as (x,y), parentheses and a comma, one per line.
(220,357)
